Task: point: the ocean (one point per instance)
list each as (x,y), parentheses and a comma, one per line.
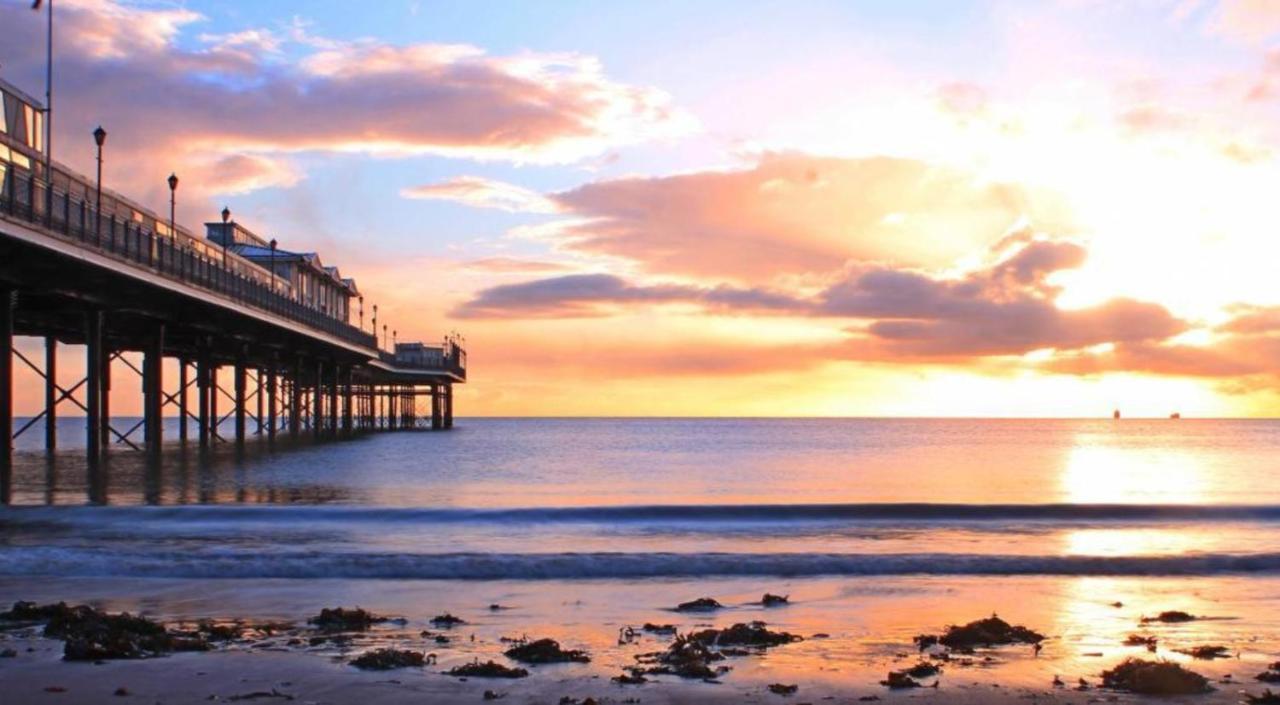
(876,528)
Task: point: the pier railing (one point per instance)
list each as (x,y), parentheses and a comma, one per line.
(129,234)
(449,358)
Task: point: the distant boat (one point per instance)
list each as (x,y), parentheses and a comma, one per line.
(1175,415)
(1115,414)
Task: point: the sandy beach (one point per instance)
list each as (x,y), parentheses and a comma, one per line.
(854,632)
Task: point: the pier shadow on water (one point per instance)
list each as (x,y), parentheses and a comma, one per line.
(183,474)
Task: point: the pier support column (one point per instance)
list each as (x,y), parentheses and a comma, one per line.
(295,400)
(104,414)
(333,399)
(241,384)
(437,417)
(346,401)
(317,403)
(271,399)
(203,387)
(50,394)
(182,399)
(93,386)
(153,391)
(214,392)
(448,406)
(6,389)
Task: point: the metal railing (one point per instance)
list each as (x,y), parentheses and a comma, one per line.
(68,211)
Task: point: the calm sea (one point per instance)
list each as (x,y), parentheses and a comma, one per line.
(593,498)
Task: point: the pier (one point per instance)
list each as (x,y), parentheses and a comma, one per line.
(82,265)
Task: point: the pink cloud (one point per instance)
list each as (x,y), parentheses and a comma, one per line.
(794,214)
(480,192)
(165,106)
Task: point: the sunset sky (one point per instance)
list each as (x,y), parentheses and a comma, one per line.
(733,208)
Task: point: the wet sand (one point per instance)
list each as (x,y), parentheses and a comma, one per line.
(868,623)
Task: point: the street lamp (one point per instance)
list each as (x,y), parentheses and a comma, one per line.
(273,265)
(361,313)
(173,206)
(393,340)
(100,138)
(384,334)
(375,323)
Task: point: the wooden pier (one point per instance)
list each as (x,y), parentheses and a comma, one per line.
(84,266)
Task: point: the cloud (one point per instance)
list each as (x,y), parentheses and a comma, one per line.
(480,192)
(1246,20)
(513,265)
(1005,308)
(589,295)
(793,214)
(166,105)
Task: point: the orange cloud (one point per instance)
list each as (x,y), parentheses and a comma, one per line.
(480,192)
(793,214)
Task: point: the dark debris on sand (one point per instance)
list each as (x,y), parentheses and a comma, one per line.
(347,620)
(1154,678)
(1267,698)
(488,669)
(1170,617)
(771,600)
(1206,653)
(387,659)
(546,651)
(991,631)
(1271,675)
(665,629)
(702,604)
(93,635)
(685,657)
(749,634)
(783,689)
(1149,642)
(447,620)
(899,680)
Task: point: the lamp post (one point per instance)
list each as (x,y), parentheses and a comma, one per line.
(393,340)
(361,312)
(226,218)
(173,206)
(99,138)
(375,324)
(273,265)
(384,334)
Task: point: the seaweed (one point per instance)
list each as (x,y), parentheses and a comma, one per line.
(750,634)
(1267,698)
(1170,617)
(1141,640)
(702,604)
(782,689)
(685,657)
(771,600)
(346,620)
(447,620)
(991,631)
(1154,678)
(1207,653)
(898,680)
(488,669)
(630,679)
(546,651)
(923,670)
(659,628)
(1271,675)
(93,635)
(387,659)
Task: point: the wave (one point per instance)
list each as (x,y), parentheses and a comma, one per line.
(576,566)
(671,513)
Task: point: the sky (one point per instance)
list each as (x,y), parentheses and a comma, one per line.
(948,208)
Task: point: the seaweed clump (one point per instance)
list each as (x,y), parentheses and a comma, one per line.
(1267,698)
(702,604)
(447,620)
(93,635)
(665,629)
(387,659)
(1207,653)
(1141,640)
(771,600)
(899,680)
(783,689)
(685,657)
(488,669)
(1170,617)
(546,651)
(1271,675)
(1154,678)
(991,631)
(749,634)
(346,620)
